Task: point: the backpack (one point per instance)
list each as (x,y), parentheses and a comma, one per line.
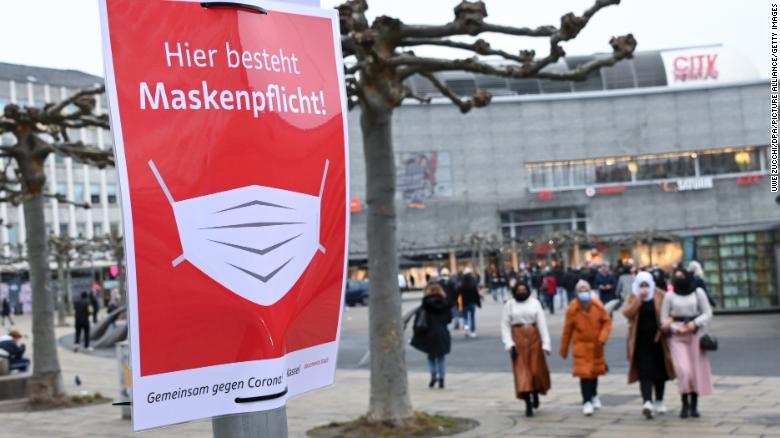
(420,324)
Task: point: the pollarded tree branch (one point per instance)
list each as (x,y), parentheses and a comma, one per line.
(623,48)
(84,100)
(479,99)
(84,153)
(480,47)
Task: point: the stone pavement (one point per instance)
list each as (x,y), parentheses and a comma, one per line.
(741,406)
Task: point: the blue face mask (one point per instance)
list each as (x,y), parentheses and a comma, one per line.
(584,297)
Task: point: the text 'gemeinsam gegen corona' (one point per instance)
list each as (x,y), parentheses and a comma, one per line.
(274,98)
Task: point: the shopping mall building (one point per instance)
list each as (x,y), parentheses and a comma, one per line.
(658,160)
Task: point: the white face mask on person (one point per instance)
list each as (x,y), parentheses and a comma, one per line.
(255,241)
(584,297)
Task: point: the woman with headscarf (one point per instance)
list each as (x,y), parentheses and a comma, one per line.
(587,328)
(648,351)
(434,340)
(684,314)
(526,338)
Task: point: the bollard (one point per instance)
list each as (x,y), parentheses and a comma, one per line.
(267,424)
(125,377)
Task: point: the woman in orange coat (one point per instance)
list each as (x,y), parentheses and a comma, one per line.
(587,328)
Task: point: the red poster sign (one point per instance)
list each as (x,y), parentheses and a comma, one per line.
(232,153)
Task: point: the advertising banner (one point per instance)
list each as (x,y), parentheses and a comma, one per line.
(232,154)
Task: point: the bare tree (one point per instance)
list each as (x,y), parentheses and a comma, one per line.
(39,132)
(64,249)
(379,61)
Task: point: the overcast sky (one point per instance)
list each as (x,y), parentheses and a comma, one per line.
(66,34)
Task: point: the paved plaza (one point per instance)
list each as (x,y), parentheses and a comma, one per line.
(743,404)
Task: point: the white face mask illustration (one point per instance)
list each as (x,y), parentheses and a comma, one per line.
(256,241)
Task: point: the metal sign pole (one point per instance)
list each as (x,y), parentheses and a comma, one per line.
(267,424)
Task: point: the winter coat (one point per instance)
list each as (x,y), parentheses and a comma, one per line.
(435,341)
(550,285)
(623,289)
(81,310)
(631,312)
(15,352)
(588,332)
(603,280)
(468,290)
(6,307)
(569,282)
(497,280)
(448,284)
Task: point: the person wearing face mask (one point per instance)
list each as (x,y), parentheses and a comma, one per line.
(526,338)
(587,328)
(684,313)
(648,351)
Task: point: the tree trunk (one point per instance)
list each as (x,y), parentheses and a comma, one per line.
(389,399)
(46,381)
(62,303)
(68,287)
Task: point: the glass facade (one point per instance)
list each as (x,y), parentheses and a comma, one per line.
(524,225)
(740,269)
(566,175)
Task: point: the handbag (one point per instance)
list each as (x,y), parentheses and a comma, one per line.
(420,324)
(708,342)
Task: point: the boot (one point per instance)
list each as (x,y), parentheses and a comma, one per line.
(529,411)
(695,405)
(685,407)
(536,400)
(441,383)
(433,381)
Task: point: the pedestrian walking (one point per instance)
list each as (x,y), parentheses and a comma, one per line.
(448,284)
(685,313)
(468,293)
(696,270)
(605,283)
(6,312)
(433,338)
(625,282)
(93,302)
(570,279)
(549,289)
(497,283)
(586,328)
(526,337)
(560,292)
(81,310)
(648,350)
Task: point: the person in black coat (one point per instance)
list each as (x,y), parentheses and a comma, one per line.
(7,311)
(15,349)
(93,301)
(434,338)
(468,291)
(570,279)
(81,309)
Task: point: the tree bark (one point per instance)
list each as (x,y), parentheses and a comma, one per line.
(389,398)
(68,287)
(62,303)
(46,381)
